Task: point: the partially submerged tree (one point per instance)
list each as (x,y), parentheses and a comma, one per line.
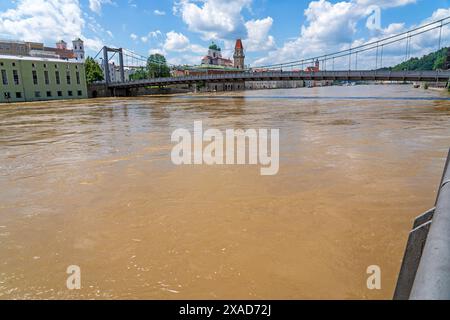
(93,71)
(139,74)
(157,66)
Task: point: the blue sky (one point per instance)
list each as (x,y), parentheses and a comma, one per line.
(272,30)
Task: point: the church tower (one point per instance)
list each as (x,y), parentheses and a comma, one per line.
(78,49)
(239,56)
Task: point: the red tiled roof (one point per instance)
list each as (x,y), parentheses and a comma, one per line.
(239,44)
(65,54)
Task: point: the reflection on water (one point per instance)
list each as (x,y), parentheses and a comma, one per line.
(90,183)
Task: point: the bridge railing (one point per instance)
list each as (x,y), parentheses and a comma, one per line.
(425,271)
(302,75)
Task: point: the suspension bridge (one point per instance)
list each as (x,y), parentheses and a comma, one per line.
(366,62)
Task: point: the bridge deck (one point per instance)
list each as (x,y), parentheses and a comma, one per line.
(431,76)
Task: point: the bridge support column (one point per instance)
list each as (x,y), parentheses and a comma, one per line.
(122,69)
(106,65)
(106,50)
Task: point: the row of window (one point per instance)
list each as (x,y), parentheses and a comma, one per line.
(2,64)
(5,77)
(35,77)
(15,48)
(37,94)
(56,66)
(34,65)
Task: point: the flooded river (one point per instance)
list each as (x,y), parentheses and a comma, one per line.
(91,183)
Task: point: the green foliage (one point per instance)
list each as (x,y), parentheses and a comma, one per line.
(157,66)
(432,61)
(201,85)
(93,71)
(439,63)
(140,74)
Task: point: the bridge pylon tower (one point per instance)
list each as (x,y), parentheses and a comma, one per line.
(106,51)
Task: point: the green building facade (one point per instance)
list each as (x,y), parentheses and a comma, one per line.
(39,79)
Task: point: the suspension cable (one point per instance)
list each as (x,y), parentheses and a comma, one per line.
(345,52)
(374,45)
(373,42)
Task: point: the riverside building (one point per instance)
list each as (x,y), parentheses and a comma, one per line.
(38,49)
(26,78)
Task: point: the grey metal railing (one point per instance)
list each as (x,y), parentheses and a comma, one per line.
(425,271)
(443,76)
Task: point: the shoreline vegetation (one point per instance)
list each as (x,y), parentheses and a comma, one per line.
(433,61)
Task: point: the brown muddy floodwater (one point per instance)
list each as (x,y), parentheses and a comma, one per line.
(91,183)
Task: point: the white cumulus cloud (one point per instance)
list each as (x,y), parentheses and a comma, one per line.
(332,26)
(96,5)
(43,20)
(258,38)
(223,20)
(214,19)
(151,35)
(159,13)
(178,42)
(93,44)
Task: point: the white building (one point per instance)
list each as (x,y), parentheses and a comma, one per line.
(129,73)
(114,72)
(274,84)
(113,76)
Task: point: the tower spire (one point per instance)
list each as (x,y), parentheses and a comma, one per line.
(239,56)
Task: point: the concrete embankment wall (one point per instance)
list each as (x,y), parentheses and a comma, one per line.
(102,91)
(425,271)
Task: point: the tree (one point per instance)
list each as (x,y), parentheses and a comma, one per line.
(93,71)
(139,74)
(433,61)
(157,66)
(439,63)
